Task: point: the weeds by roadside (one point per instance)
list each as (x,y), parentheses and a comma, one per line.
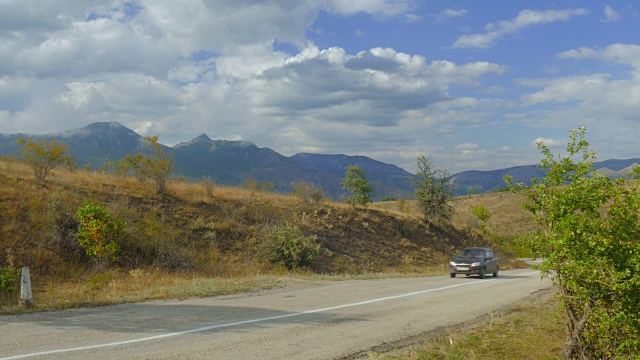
(531,329)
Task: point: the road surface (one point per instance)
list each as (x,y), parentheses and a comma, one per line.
(322,320)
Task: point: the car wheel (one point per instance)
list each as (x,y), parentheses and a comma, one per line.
(495,274)
(466,274)
(453,275)
(482,273)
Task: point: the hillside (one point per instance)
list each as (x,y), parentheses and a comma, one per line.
(191,231)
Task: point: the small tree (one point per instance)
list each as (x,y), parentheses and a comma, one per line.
(434,192)
(483,215)
(99,234)
(157,167)
(588,240)
(43,156)
(355,181)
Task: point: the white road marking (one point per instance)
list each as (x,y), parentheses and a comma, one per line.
(238,323)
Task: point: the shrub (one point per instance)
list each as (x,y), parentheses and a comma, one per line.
(157,167)
(308,193)
(209,185)
(99,234)
(9,280)
(43,156)
(286,245)
(482,213)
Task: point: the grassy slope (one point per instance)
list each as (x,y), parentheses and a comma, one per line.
(190,234)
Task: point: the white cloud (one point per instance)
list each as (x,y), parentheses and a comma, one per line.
(449,14)
(375,7)
(467,146)
(610,15)
(627,54)
(525,19)
(178,68)
(548,142)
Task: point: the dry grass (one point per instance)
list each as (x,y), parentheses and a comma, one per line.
(116,287)
(507,220)
(531,329)
(197,232)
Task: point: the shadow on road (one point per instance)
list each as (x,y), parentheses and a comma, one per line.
(164,318)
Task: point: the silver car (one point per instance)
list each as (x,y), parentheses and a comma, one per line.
(480,261)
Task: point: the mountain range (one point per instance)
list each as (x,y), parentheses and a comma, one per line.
(231,163)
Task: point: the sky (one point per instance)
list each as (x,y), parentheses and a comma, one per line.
(472,85)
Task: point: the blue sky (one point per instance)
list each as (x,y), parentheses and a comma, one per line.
(473,85)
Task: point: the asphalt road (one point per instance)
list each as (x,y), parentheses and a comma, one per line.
(323,320)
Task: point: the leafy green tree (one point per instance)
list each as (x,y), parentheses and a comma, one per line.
(43,155)
(434,192)
(156,167)
(588,238)
(355,181)
(483,215)
(99,235)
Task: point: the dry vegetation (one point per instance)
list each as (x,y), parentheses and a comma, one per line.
(531,329)
(507,222)
(199,234)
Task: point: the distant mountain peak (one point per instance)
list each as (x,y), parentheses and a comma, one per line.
(112,127)
(104,124)
(202,137)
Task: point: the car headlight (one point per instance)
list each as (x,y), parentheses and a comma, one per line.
(452,263)
(475,264)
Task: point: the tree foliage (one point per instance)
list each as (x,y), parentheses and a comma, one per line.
(483,215)
(588,238)
(287,246)
(434,192)
(99,235)
(156,167)
(44,155)
(355,180)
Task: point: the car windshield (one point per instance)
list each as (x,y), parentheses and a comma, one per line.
(472,253)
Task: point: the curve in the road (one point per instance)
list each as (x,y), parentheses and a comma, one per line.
(239,323)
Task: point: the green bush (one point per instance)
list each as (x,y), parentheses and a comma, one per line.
(9,280)
(99,234)
(286,245)
(9,289)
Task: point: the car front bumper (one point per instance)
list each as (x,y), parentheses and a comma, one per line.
(464,269)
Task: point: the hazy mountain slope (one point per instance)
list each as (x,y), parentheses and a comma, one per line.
(386,179)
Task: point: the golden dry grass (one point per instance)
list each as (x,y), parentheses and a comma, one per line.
(531,329)
(193,233)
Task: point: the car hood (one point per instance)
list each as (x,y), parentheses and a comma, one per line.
(466,260)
